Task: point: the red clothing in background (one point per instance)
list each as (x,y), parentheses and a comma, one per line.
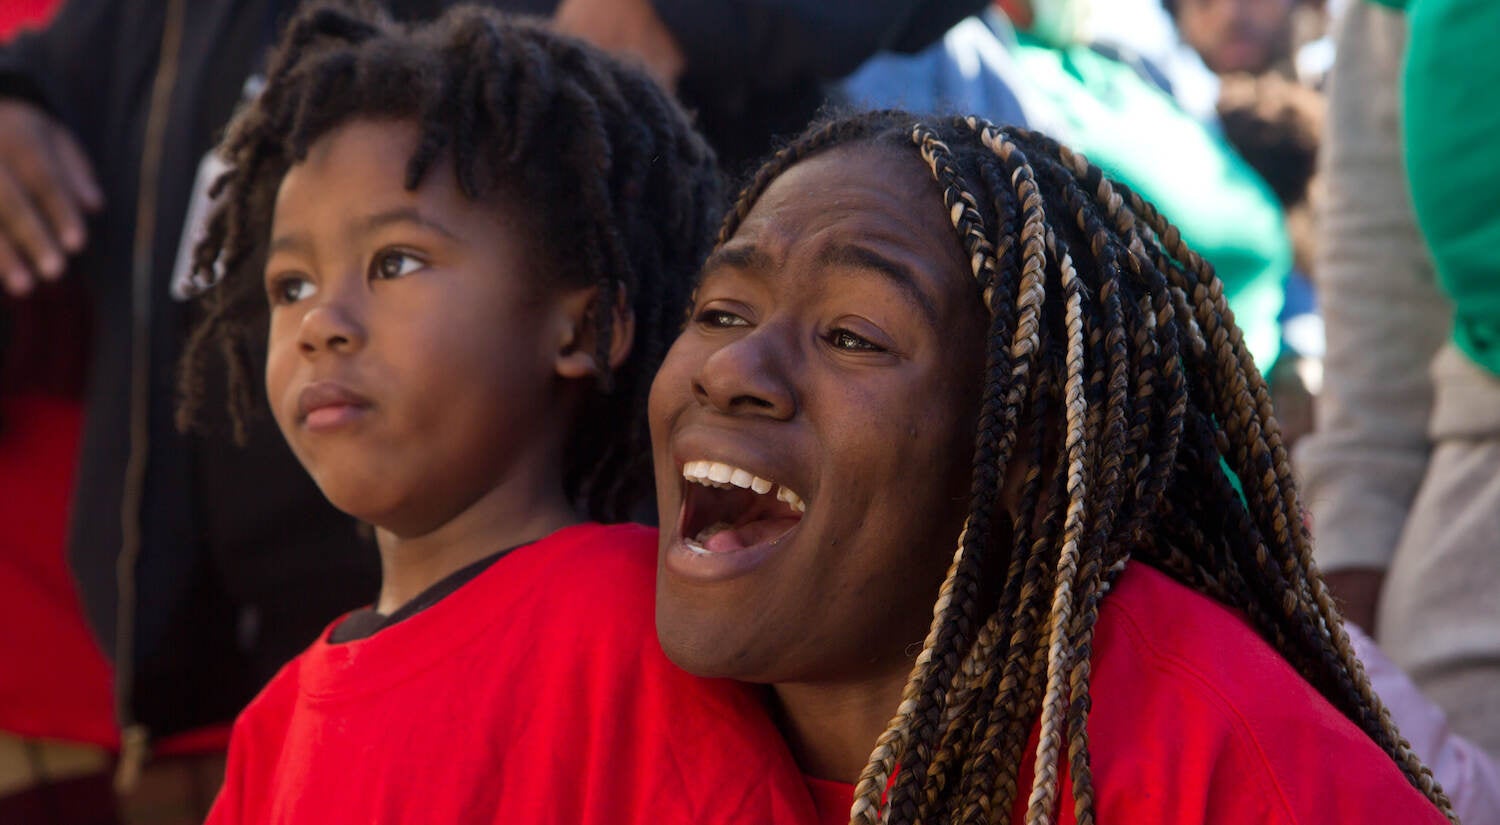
(54,683)
(17,13)
(1197,720)
(536,693)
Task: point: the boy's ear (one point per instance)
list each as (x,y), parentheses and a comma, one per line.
(578,339)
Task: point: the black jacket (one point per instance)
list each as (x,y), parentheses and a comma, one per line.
(200,597)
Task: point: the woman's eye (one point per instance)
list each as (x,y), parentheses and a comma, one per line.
(845,340)
(395,265)
(718,318)
(290,289)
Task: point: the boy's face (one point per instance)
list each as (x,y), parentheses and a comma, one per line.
(835,350)
(1237,35)
(410,359)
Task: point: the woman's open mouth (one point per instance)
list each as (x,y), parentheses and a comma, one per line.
(727,509)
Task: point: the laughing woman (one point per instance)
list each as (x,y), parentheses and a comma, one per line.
(914,338)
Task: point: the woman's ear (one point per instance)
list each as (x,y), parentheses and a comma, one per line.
(578,333)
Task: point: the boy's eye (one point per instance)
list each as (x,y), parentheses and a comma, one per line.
(289,289)
(393,264)
(718,319)
(845,340)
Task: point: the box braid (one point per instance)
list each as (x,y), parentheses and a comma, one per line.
(623,194)
(1113,351)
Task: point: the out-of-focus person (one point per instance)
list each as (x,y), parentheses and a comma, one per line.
(1469,776)
(1403,472)
(57,731)
(753,71)
(1029,62)
(1276,125)
(1250,36)
(1270,112)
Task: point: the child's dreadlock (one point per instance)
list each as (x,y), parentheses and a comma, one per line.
(623,193)
(1103,319)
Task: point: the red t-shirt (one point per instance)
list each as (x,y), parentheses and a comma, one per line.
(1197,720)
(535,693)
(54,680)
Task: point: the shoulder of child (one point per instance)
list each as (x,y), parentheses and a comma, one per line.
(269,711)
(1197,719)
(693,750)
(601,569)
(259,732)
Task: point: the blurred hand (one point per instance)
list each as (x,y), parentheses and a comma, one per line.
(625,28)
(1357,591)
(46,186)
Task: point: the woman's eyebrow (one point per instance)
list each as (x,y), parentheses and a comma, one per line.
(743,256)
(898,273)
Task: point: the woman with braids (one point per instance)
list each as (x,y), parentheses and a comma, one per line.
(474,240)
(921,336)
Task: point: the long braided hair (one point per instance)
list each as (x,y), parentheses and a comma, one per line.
(622,192)
(1101,316)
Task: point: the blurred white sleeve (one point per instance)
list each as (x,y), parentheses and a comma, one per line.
(1468,775)
(1383,314)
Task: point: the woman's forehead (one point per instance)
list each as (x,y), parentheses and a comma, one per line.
(866,190)
(875,165)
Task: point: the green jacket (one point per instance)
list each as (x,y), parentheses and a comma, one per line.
(1138,135)
(1450,120)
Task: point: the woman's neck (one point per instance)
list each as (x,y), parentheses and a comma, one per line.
(831,728)
(515,512)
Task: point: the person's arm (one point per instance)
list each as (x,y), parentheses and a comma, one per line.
(1385,320)
(1469,777)
(46,187)
(49,81)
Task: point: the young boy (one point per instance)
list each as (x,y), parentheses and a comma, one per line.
(474,239)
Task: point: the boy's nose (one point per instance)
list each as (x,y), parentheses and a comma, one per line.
(330,327)
(749,376)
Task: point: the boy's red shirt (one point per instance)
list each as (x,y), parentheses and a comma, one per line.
(536,693)
(1197,720)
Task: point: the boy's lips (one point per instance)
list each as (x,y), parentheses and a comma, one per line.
(326,405)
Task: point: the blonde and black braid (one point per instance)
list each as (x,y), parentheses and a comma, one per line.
(612,183)
(1118,386)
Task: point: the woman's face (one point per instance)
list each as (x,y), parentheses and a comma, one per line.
(813,428)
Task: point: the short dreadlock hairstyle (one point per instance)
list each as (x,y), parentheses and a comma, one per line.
(1117,383)
(622,191)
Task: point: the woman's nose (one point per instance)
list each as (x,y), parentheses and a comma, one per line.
(750,375)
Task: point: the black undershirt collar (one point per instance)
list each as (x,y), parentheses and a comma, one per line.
(364,623)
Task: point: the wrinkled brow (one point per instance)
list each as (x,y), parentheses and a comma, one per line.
(862,257)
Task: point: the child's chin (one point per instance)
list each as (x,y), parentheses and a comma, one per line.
(354,500)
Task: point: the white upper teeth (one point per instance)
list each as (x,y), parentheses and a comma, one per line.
(719,474)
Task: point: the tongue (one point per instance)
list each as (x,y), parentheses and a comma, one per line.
(730,539)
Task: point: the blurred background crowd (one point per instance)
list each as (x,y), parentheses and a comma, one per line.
(1333,160)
